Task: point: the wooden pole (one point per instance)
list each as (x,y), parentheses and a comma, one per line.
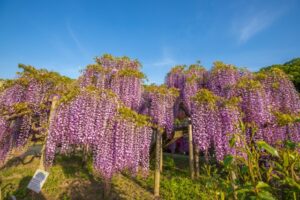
(157,165)
(233,179)
(107,188)
(51,116)
(191,151)
(161,156)
(197,167)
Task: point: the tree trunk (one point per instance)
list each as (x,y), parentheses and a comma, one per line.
(157,164)
(191,151)
(51,116)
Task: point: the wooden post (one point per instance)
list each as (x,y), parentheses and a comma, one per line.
(106,189)
(157,164)
(191,151)
(161,155)
(197,168)
(51,116)
(233,179)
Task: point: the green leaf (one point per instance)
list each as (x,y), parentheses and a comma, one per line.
(266,195)
(228,160)
(263,145)
(244,169)
(243,190)
(290,145)
(262,184)
(292,182)
(285,159)
(232,141)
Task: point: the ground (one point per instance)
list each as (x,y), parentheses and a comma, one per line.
(70,179)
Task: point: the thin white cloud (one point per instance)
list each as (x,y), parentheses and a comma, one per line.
(166,59)
(76,40)
(252,23)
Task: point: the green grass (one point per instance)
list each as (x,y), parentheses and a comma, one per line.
(70,179)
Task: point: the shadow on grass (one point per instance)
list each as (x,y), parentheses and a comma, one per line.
(23,193)
(33,152)
(84,185)
(174,166)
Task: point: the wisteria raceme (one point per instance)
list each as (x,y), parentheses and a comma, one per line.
(294,132)
(128,85)
(280,91)
(230,117)
(254,104)
(95,75)
(215,121)
(194,80)
(204,114)
(4,144)
(121,75)
(24,131)
(222,78)
(144,146)
(176,77)
(161,102)
(25,100)
(95,118)
(11,96)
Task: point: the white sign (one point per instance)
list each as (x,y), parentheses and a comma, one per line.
(38,180)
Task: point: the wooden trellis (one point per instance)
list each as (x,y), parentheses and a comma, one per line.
(193,155)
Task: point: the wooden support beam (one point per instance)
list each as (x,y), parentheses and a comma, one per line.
(106,188)
(157,164)
(233,179)
(161,155)
(191,151)
(51,116)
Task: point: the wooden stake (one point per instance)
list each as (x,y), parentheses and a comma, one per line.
(197,168)
(233,179)
(157,165)
(51,116)
(191,151)
(161,156)
(107,188)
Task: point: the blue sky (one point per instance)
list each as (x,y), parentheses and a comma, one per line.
(65,36)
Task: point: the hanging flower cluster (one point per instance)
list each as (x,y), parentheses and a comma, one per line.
(119,74)
(194,80)
(25,101)
(222,78)
(160,102)
(176,78)
(5,143)
(265,100)
(215,120)
(280,91)
(188,81)
(119,137)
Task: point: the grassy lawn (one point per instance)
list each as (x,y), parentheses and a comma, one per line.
(70,179)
